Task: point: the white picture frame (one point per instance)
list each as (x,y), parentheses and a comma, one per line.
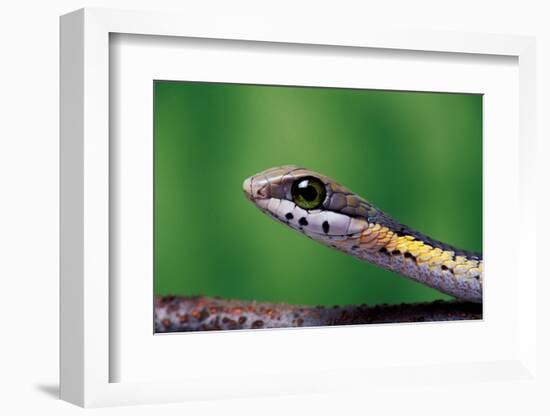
(88,301)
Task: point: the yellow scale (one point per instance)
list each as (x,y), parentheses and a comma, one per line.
(376,237)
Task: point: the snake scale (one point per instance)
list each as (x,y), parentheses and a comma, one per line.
(326,211)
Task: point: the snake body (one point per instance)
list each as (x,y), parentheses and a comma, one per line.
(320,208)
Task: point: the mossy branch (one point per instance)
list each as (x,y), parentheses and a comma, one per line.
(197,313)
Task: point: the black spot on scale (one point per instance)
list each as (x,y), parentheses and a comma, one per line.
(384,250)
(354,247)
(409,255)
(445,268)
(396,252)
(303,222)
(289,215)
(326,227)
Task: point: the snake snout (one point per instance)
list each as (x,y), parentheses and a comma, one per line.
(247,188)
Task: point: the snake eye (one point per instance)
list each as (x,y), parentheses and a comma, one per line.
(308,193)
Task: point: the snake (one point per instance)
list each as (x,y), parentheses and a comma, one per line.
(325,211)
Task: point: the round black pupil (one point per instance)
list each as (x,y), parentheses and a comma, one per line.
(306,191)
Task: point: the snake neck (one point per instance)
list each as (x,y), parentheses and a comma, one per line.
(452,271)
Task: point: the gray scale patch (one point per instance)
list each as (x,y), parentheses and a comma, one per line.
(462,287)
(337,201)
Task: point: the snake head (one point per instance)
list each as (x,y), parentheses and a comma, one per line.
(308,202)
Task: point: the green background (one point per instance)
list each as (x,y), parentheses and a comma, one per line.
(417,156)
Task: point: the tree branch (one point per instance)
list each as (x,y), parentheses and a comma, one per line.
(196,313)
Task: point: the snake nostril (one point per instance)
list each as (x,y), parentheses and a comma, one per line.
(263,192)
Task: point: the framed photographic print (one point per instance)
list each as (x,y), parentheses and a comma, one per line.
(303,204)
(388,143)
